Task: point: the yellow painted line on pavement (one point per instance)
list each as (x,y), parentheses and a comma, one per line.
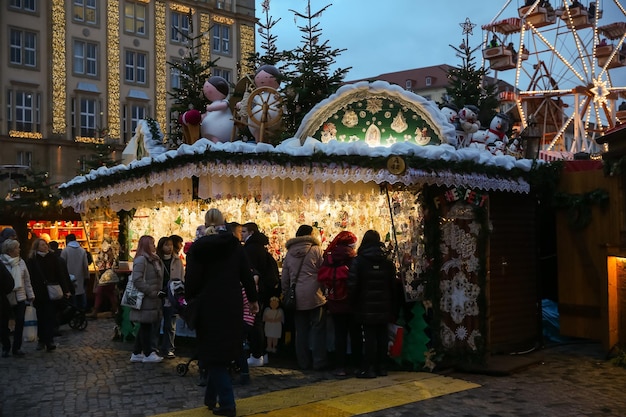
(344,398)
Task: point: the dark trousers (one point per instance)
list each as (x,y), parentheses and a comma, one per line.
(376,342)
(143,341)
(347,328)
(18,312)
(219,388)
(46,321)
(256,336)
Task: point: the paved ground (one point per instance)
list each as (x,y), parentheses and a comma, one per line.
(90,375)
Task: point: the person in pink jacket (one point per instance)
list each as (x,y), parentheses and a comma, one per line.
(303,259)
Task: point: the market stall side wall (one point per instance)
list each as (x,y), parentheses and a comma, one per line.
(587,301)
(513,305)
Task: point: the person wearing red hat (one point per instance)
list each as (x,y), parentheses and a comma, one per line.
(333,278)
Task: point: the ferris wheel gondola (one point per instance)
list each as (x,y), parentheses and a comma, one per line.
(562,67)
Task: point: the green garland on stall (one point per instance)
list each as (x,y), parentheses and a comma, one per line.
(579,206)
(538,175)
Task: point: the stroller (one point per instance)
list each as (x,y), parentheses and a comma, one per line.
(72,316)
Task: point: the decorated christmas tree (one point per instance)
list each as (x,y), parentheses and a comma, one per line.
(188,94)
(468,83)
(309,78)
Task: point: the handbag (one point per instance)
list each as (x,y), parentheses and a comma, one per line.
(289,299)
(55,292)
(132,297)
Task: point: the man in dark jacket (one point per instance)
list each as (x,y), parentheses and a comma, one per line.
(217,268)
(266,276)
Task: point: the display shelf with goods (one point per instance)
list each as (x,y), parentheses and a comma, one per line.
(58,230)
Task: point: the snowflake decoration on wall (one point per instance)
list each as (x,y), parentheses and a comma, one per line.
(459,297)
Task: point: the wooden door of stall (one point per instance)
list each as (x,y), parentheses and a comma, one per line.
(587,299)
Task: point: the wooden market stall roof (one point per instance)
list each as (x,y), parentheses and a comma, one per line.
(309,159)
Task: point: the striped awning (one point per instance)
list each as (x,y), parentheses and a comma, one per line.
(506,26)
(555,156)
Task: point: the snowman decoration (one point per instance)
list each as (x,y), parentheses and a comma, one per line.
(495,139)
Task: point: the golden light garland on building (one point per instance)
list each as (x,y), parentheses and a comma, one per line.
(246,42)
(181,8)
(160,32)
(205,26)
(86,139)
(59,88)
(223,20)
(113,67)
(25,135)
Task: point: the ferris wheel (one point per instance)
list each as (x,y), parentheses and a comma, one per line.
(564,58)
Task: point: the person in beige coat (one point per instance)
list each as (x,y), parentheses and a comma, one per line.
(22,292)
(303,259)
(147,277)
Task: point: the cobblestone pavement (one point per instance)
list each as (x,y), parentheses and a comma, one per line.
(90,375)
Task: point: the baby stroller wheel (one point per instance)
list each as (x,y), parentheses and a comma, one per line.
(78,322)
(181,369)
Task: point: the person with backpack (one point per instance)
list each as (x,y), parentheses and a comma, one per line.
(371,283)
(333,278)
(265,271)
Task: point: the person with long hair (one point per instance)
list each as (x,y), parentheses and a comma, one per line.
(371,291)
(173,270)
(44,268)
(147,276)
(22,292)
(217,268)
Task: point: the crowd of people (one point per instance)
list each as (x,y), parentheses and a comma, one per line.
(229,289)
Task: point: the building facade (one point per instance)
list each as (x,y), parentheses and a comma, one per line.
(78,72)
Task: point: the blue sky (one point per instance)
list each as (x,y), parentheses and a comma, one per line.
(394,35)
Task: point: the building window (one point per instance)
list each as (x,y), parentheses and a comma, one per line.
(221,39)
(23,111)
(24,158)
(224,4)
(179,32)
(25,5)
(175,76)
(224,73)
(408,85)
(135,67)
(23,48)
(429,81)
(133,113)
(85,11)
(87,117)
(135,18)
(85,58)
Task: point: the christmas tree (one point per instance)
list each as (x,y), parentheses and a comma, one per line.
(308,75)
(102,152)
(468,84)
(271,56)
(31,195)
(188,95)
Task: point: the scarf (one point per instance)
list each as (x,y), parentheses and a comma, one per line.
(13,264)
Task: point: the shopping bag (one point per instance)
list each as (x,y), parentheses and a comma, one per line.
(132,296)
(396,337)
(30,324)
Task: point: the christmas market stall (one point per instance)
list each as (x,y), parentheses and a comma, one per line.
(461,222)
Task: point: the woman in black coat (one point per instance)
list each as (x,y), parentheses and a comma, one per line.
(371,291)
(44,268)
(217,268)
